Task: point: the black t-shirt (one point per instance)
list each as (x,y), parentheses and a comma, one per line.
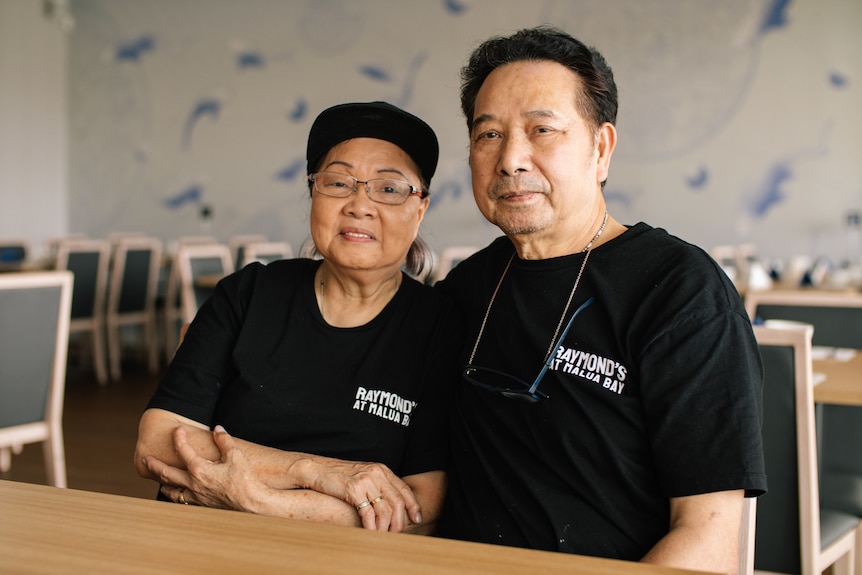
(655,393)
(260,360)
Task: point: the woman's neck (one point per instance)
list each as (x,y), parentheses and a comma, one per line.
(348,299)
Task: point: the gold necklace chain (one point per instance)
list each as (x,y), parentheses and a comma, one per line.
(586,251)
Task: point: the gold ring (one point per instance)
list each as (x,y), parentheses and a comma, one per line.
(363,505)
(182,499)
(376,500)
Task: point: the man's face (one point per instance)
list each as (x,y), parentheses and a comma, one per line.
(537,165)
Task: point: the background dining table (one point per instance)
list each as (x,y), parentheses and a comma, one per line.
(50,530)
(841,378)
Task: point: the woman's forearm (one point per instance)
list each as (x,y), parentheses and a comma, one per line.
(168,445)
(303,504)
(276,468)
(155,440)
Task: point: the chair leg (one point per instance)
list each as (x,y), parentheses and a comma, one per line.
(55,458)
(844,565)
(152,344)
(5,459)
(99,359)
(746,536)
(6,456)
(170,334)
(858,550)
(114,350)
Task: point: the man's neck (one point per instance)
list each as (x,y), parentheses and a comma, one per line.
(545,245)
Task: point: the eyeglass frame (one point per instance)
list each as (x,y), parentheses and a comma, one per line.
(531,393)
(414,191)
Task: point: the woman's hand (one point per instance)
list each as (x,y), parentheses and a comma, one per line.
(229,483)
(383,500)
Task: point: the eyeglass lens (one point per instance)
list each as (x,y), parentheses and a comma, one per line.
(381,190)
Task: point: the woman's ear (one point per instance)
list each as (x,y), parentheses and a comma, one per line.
(423,207)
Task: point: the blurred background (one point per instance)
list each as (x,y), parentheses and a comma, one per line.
(740,121)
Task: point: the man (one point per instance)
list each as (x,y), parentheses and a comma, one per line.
(611,399)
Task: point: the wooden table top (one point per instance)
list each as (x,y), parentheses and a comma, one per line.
(843,380)
(50,530)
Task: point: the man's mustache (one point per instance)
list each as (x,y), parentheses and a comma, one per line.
(510,186)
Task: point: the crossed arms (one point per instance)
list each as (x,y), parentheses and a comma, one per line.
(214,469)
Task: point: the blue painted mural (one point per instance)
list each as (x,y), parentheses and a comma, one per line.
(213,100)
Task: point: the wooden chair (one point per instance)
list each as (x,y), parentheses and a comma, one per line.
(195,240)
(116,237)
(172,312)
(132,297)
(88,261)
(795,534)
(449,258)
(52,244)
(237,245)
(199,265)
(747,531)
(837,320)
(35,308)
(265,252)
(835,315)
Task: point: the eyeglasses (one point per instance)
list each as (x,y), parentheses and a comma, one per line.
(513,387)
(381,190)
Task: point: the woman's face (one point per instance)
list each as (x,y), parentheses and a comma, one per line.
(355,232)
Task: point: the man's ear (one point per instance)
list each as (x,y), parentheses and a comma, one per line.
(606,141)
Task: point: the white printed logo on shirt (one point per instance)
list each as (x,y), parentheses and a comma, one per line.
(384,404)
(608,373)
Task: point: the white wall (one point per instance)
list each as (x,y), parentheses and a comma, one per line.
(33,147)
(739,120)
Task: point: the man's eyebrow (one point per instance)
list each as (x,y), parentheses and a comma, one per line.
(532,114)
(481,120)
(542,113)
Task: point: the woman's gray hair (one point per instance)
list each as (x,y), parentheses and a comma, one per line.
(419,257)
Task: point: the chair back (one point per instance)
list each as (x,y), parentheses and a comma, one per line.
(195,240)
(793,535)
(35,308)
(266,252)
(789,449)
(199,265)
(88,261)
(172,310)
(132,294)
(837,320)
(836,316)
(52,244)
(116,237)
(134,275)
(237,245)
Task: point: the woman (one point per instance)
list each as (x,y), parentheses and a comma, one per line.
(318,366)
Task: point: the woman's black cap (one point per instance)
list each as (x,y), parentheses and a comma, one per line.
(373,120)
